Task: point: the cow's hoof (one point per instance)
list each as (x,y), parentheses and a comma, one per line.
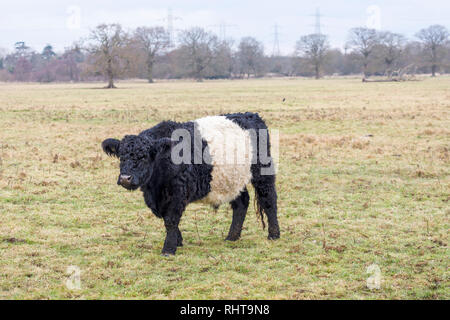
(168,254)
(273,236)
(232,238)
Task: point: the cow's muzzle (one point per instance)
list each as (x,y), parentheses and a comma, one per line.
(125,180)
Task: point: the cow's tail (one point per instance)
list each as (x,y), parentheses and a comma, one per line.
(259,210)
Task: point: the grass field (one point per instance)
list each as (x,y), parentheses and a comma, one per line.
(363,179)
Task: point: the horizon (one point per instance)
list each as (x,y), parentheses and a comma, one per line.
(63,23)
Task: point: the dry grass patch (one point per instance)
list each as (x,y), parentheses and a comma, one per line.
(363,179)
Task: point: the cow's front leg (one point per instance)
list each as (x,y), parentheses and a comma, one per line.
(171,242)
(173,235)
(179,239)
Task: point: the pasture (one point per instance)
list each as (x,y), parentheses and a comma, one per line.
(363,179)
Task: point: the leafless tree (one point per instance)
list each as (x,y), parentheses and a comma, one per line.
(314,49)
(363,41)
(2,58)
(70,60)
(250,56)
(111,53)
(391,49)
(153,41)
(222,64)
(198,48)
(107,53)
(434,39)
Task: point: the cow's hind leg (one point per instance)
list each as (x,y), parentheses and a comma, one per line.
(266,196)
(240,206)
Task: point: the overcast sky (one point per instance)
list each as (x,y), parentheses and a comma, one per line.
(62,22)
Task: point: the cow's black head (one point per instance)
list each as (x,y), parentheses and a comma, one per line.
(137,157)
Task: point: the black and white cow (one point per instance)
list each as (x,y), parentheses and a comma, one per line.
(168,185)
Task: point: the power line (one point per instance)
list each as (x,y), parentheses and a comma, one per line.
(170,29)
(170,19)
(317,27)
(276,41)
(223,26)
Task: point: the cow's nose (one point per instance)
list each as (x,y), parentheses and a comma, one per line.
(125,179)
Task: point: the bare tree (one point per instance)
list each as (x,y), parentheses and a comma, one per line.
(70,60)
(250,56)
(314,49)
(433,39)
(222,65)
(152,41)
(107,51)
(363,41)
(2,58)
(198,48)
(391,49)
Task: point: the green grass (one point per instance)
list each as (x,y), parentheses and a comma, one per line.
(346,201)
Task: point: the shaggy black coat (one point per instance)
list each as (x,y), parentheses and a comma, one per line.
(145,163)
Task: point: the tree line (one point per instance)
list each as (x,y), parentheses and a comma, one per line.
(111,53)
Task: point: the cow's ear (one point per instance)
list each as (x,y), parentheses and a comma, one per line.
(111,147)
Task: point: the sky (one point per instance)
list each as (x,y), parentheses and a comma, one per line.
(62,22)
